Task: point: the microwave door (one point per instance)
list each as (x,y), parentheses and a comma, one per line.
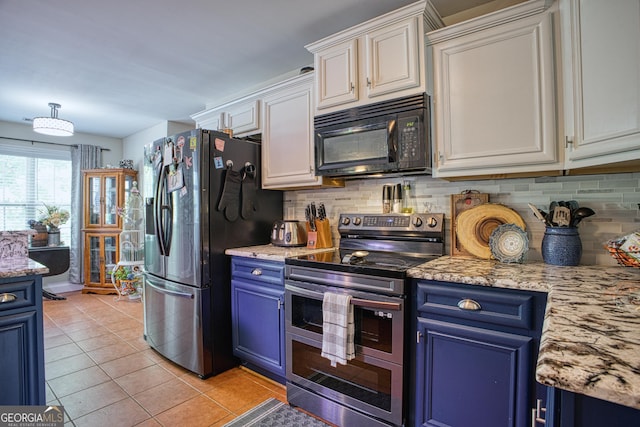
(355,149)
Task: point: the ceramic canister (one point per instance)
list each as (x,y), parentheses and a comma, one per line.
(561,246)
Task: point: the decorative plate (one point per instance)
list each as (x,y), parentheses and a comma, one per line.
(509,243)
(474,226)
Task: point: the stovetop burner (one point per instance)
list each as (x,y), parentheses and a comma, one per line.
(374,263)
(381,245)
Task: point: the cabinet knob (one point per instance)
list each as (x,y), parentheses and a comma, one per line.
(256,272)
(418,336)
(368,83)
(6,297)
(351,89)
(469,304)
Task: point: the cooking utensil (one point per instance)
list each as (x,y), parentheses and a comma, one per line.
(580,214)
(562,216)
(552,206)
(537,213)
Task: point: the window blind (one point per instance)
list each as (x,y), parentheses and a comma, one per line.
(32,177)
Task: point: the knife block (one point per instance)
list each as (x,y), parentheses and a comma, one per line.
(321,238)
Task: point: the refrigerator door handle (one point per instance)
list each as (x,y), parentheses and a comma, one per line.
(158,217)
(169,292)
(169,230)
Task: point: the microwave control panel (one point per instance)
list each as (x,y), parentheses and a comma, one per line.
(411,144)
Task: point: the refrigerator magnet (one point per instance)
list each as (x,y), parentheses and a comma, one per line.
(218,163)
(168,153)
(193,143)
(219,144)
(188,161)
(180,145)
(175,179)
(157,159)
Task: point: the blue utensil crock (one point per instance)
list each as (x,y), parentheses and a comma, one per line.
(561,246)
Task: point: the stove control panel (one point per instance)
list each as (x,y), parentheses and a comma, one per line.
(428,222)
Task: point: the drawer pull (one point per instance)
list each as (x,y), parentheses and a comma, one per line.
(6,297)
(469,304)
(256,272)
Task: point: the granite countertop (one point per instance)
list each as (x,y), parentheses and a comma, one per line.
(18,267)
(591,334)
(273,253)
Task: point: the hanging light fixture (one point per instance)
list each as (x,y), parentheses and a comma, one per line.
(53,125)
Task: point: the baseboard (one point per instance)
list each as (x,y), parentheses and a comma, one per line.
(62,287)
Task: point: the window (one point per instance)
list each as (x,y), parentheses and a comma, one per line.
(31,178)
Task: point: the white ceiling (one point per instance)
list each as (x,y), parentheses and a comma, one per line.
(121,66)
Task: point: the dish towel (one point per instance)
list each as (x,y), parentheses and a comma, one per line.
(337,328)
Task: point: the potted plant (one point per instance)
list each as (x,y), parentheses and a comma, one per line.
(53,217)
(128,281)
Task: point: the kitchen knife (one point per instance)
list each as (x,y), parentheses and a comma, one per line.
(314,215)
(322,212)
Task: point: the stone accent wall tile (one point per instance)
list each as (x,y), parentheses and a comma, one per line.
(614,197)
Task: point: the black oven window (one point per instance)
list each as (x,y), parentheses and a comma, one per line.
(373,329)
(306,313)
(367,383)
(362,144)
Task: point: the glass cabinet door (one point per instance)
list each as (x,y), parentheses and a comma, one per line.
(102,258)
(110,200)
(94,200)
(95,259)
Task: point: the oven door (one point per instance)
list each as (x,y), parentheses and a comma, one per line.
(365,384)
(378,319)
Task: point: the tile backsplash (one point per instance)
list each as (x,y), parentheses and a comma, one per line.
(614,197)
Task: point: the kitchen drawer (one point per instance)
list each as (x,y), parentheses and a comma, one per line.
(18,294)
(258,271)
(503,307)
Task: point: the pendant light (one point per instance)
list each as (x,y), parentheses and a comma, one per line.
(53,125)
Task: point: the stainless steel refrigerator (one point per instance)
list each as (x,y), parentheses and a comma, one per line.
(206,198)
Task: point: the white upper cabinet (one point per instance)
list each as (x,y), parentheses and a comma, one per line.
(209,119)
(494,94)
(380,59)
(288,156)
(601,57)
(241,116)
(392,56)
(287,140)
(337,70)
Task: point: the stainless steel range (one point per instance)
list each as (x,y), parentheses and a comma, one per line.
(375,252)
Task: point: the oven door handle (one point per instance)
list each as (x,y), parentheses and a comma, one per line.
(380,305)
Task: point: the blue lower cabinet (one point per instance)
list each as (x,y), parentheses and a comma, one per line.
(577,410)
(468,376)
(258,316)
(21,342)
(475,354)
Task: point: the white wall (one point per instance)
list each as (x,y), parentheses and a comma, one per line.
(133,145)
(20,131)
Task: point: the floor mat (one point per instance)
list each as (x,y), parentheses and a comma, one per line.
(274,413)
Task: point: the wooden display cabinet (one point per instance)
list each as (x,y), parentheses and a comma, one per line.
(104,191)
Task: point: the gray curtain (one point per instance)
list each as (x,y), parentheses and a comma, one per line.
(82,157)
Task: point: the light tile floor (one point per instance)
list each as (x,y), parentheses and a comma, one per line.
(98,366)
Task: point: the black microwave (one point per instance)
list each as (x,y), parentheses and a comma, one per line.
(386,137)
